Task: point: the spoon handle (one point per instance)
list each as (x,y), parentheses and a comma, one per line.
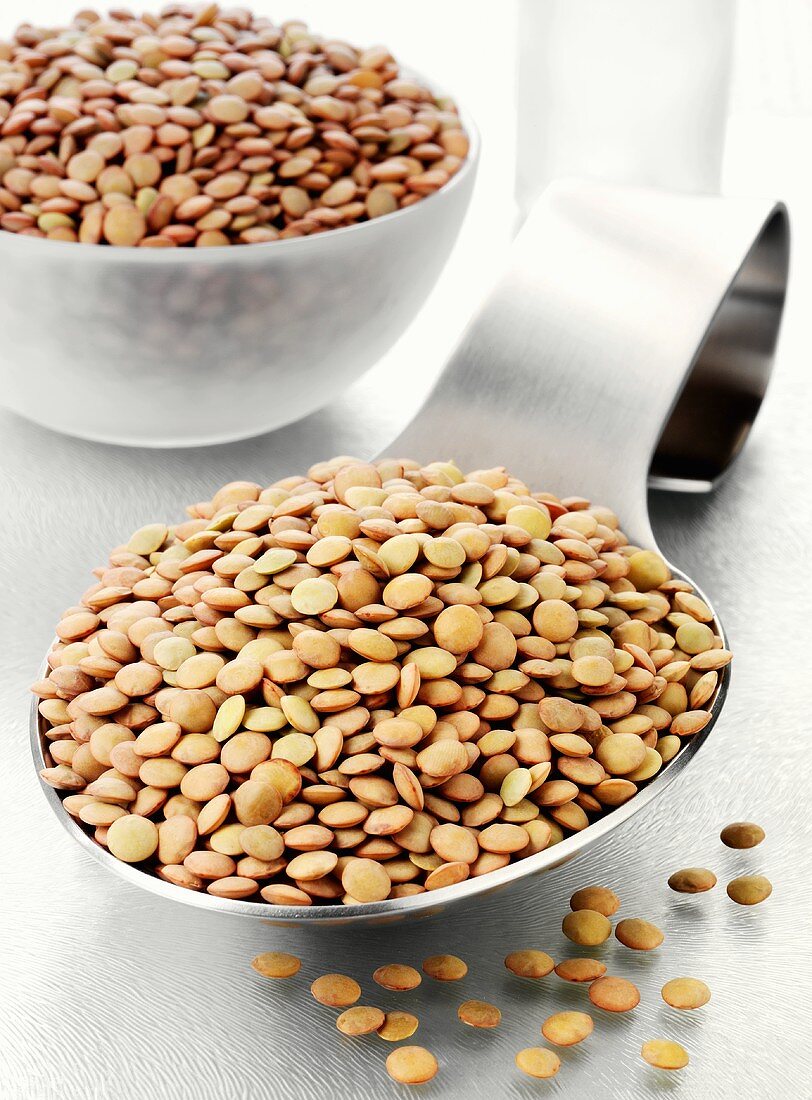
(632,334)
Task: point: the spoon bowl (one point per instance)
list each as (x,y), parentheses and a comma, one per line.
(629,343)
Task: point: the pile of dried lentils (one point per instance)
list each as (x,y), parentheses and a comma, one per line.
(201,126)
(368,682)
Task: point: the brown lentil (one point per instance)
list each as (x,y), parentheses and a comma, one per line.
(686,993)
(336,990)
(742,834)
(565,1029)
(365,698)
(132,838)
(479,1014)
(529,963)
(586,927)
(276,964)
(398,1026)
(747,890)
(639,935)
(445,968)
(234,130)
(538,1062)
(692,880)
(411,1065)
(664,1054)
(360,1020)
(580,970)
(597,898)
(614,994)
(397,976)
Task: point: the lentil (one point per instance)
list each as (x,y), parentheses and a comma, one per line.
(411,1065)
(614,994)
(692,880)
(639,935)
(538,1062)
(742,834)
(685,993)
(397,976)
(597,898)
(360,1020)
(276,964)
(132,838)
(586,927)
(336,990)
(398,1026)
(445,968)
(580,970)
(747,890)
(389,712)
(479,1014)
(664,1054)
(565,1029)
(233,131)
(529,963)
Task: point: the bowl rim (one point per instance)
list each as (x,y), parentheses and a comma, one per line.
(422,905)
(130,253)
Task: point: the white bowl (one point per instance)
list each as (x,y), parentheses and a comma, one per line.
(181,347)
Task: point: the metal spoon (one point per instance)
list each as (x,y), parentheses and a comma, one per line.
(630,340)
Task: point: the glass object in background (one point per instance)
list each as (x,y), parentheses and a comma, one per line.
(634,91)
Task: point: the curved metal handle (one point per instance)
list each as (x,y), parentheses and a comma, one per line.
(632,333)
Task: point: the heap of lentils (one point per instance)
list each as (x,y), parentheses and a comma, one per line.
(202,126)
(367,682)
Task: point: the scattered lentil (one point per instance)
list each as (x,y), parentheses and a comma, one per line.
(276,964)
(586,927)
(479,1014)
(397,976)
(398,1026)
(411,1065)
(742,834)
(360,1020)
(614,994)
(529,963)
(686,993)
(692,880)
(565,1029)
(336,990)
(747,890)
(597,898)
(538,1062)
(445,968)
(639,935)
(665,1054)
(580,970)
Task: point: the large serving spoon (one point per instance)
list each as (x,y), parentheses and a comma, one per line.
(629,343)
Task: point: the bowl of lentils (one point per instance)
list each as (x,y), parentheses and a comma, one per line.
(210,223)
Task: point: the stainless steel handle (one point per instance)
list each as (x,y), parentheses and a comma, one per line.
(633,334)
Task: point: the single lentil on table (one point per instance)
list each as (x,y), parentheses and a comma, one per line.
(209,126)
(369,681)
